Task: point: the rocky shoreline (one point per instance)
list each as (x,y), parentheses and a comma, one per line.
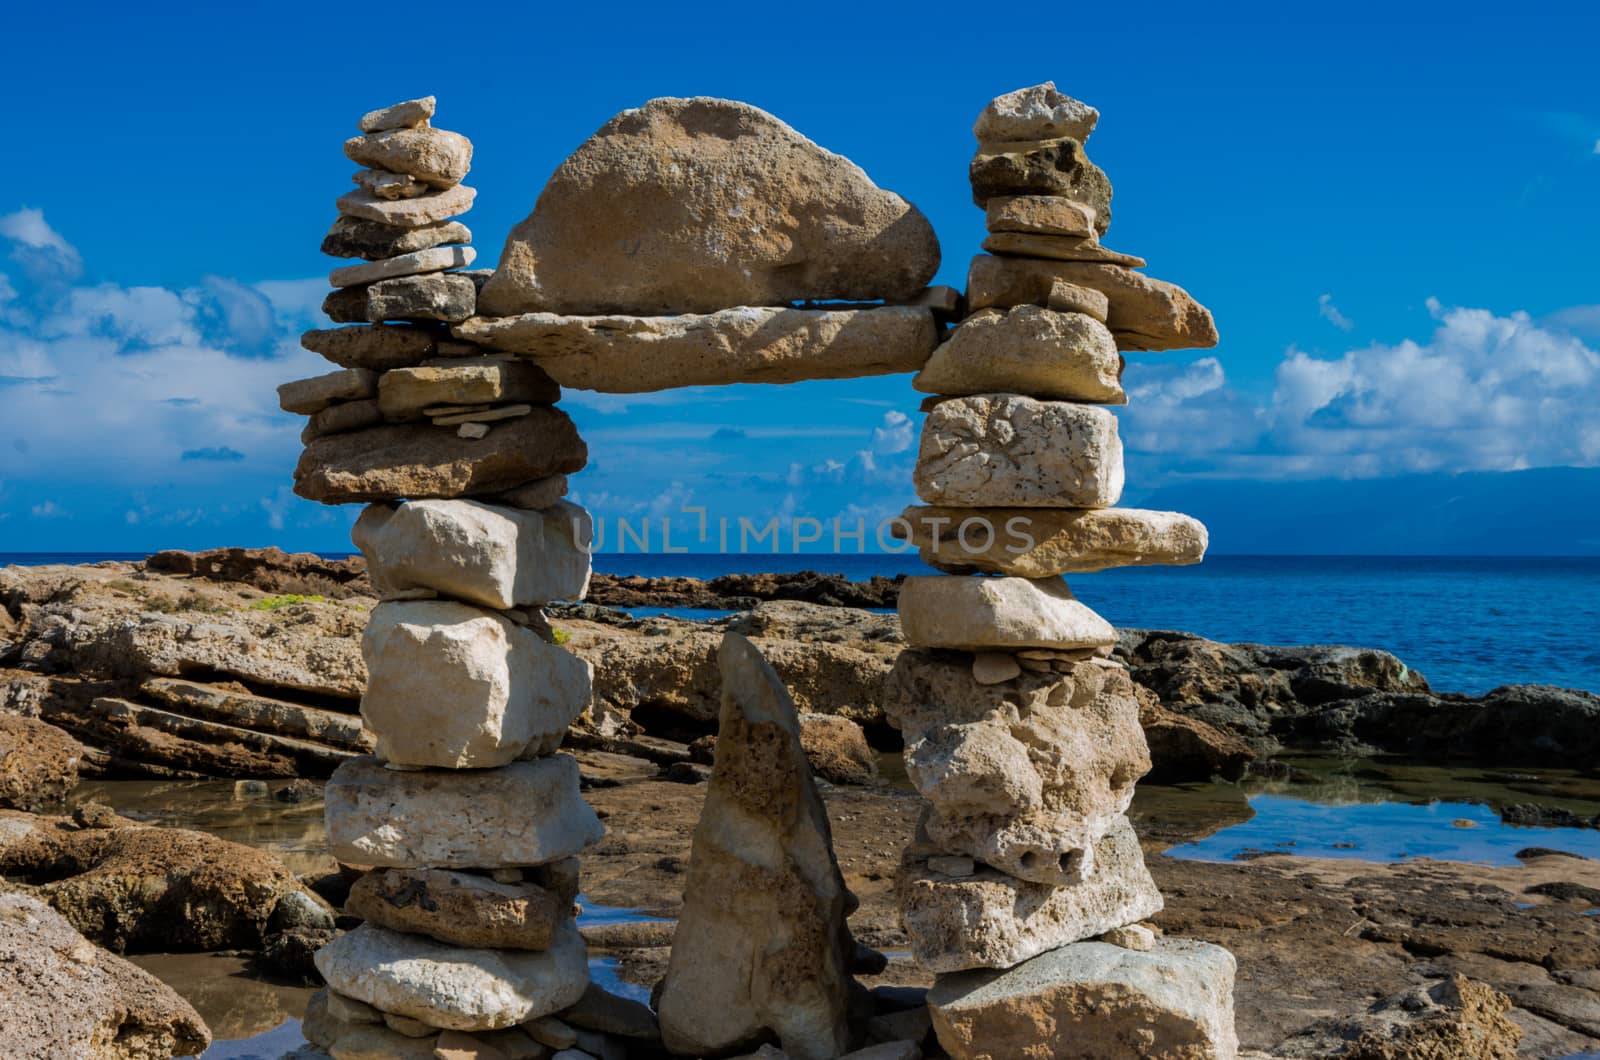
(245,665)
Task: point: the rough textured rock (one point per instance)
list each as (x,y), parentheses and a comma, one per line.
(1048,215)
(416,212)
(1026,776)
(1044,542)
(407,114)
(976,614)
(1144,314)
(1038,112)
(1058,248)
(537,495)
(442,296)
(405,392)
(148,889)
(1067,297)
(341,419)
(434,259)
(1027,350)
(494,556)
(761,945)
(38,763)
(691,205)
(452,987)
(1184,748)
(379,347)
(346,1040)
(1455,1019)
(1005,450)
(1094,1000)
(460,908)
(268,569)
(526,813)
(454,687)
(629,354)
(433,156)
(233,704)
(61,996)
(357,237)
(309,396)
(992,920)
(837,749)
(1055,166)
(420,461)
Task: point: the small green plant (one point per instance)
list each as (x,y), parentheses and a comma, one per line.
(559,635)
(273,603)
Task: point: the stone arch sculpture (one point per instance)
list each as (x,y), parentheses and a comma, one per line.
(703,241)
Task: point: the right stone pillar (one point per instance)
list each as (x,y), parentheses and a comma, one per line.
(1025,886)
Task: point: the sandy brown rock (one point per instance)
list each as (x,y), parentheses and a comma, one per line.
(433,156)
(61,996)
(1057,248)
(341,419)
(1094,1000)
(356,237)
(1043,542)
(422,210)
(434,259)
(407,114)
(405,392)
(692,205)
(1041,167)
(1049,215)
(1008,613)
(837,749)
(446,297)
(626,354)
(459,908)
(38,763)
(1144,314)
(762,946)
(309,396)
(378,347)
(1038,112)
(1027,350)
(1006,450)
(421,461)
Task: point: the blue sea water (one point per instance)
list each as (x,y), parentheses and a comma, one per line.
(1468,624)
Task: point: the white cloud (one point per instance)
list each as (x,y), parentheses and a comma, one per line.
(46,510)
(895,434)
(1597,147)
(40,249)
(1331,314)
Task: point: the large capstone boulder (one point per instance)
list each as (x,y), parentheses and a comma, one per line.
(761,947)
(62,996)
(692,205)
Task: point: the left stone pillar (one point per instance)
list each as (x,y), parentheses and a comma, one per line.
(467,821)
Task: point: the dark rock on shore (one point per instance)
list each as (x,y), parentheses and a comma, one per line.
(270,570)
(740,592)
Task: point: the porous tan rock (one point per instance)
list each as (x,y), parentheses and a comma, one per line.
(456,687)
(992,920)
(536,495)
(977,614)
(994,667)
(1093,1000)
(1044,542)
(386,185)
(407,114)
(1144,313)
(1038,112)
(1006,450)
(446,297)
(1056,167)
(1027,776)
(526,813)
(309,396)
(463,909)
(454,987)
(494,556)
(419,461)
(38,763)
(761,946)
(422,210)
(1067,297)
(356,237)
(62,996)
(434,259)
(342,418)
(1057,248)
(1027,350)
(378,347)
(691,205)
(405,392)
(433,156)
(1049,215)
(626,355)
(345,1040)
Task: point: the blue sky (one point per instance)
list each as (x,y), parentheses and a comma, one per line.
(1393,213)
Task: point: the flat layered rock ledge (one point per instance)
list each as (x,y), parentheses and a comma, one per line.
(744,344)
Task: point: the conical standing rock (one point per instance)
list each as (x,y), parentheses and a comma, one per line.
(761,947)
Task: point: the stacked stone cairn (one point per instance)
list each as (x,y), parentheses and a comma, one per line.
(1026,887)
(466,822)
